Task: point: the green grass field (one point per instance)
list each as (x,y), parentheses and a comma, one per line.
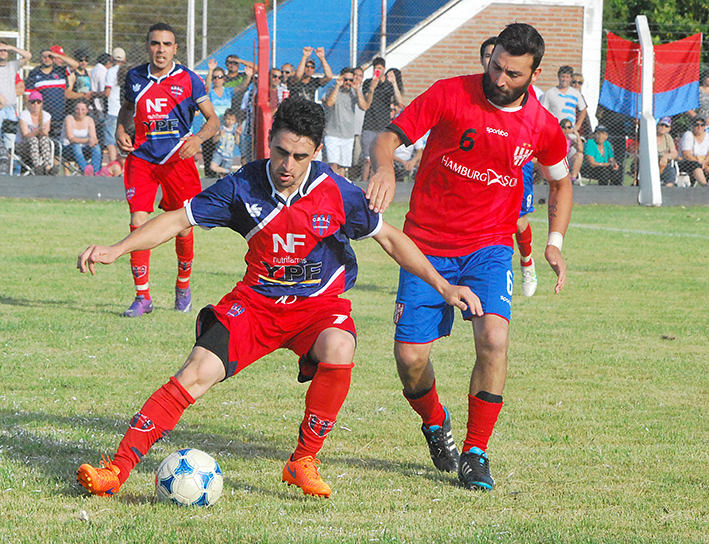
(603,437)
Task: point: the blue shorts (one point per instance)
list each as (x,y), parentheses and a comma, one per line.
(109,129)
(422,316)
(528,199)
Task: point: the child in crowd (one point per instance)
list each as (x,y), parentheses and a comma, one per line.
(229,139)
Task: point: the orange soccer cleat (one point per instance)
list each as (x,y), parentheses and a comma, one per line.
(304,473)
(100,481)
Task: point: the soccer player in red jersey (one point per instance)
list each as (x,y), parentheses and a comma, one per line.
(160,101)
(297,216)
(463,215)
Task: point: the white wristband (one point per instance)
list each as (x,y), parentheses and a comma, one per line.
(555,239)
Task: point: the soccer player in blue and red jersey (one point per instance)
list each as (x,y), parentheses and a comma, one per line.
(297,216)
(160,102)
(463,213)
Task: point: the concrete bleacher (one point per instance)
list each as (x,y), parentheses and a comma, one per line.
(106,188)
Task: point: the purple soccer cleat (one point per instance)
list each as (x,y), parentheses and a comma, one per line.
(139,307)
(183,300)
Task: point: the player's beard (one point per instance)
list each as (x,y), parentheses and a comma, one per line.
(499,97)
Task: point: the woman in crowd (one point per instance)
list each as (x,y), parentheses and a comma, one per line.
(599,162)
(694,147)
(666,152)
(33,135)
(80,136)
(221,98)
(574,148)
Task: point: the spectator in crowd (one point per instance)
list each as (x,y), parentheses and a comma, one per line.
(305,84)
(33,141)
(50,79)
(99,103)
(574,149)
(78,84)
(113,90)
(79,137)
(238,81)
(277,90)
(288,71)
(599,162)
(620,127)
(576,83)
(221,98)
(229,136)
(666,152)
(9,70)
(356,170)
(407,159)
(703,110)
(563,101)
(694,147)
(340,106)
(380,91)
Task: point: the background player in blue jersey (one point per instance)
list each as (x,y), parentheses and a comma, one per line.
(297,216)
(524,229)
(160,102)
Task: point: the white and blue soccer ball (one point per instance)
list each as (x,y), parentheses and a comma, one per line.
(189,477)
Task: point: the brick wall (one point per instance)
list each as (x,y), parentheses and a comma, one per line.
(459,53)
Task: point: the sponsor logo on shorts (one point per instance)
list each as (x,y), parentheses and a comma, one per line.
(318,426)
(141,423)
(236,309)
(321,223)
(503,298)
(497,131)
(398,312)
(130,193)
(139,271)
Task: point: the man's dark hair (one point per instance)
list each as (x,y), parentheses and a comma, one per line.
(301,117)
(103,58)
(81,54)
(520,39)
(229,111)
(160,26)
(347,70)
(379,61)
(566,69)
(492,40)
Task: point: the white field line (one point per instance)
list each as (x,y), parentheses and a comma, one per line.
(630,231)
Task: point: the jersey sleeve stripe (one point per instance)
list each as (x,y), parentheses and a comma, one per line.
(375,231)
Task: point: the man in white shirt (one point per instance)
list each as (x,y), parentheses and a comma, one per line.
(113,89)
(563,101)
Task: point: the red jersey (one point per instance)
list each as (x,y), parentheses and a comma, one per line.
(468,189)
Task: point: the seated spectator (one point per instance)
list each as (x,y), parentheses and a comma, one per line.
(228,150)
(304,83)
(574,148)
(666,152)
(78,84)
(33,142)
(703,110)
(694,147)
(80,139)
(599,162)
(9,71)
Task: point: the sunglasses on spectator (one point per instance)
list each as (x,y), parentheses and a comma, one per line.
(35,101)
(310,66)
(577,82)
(217,77)
(700,124)
(348,79)
(274,76)
(232,62)
(83,59)
(565,126)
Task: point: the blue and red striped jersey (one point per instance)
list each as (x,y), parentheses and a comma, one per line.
(164,110)
(297,245)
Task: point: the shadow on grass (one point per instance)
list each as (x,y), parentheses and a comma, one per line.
(51,453)
(111,308)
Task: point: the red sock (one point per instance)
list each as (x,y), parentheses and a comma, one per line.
(428,407)
(482,416)
(156,418)
(184,247)
(323,401)
(524,242)
(140,267)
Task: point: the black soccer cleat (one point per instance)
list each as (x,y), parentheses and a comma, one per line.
(474,470)
(444,454)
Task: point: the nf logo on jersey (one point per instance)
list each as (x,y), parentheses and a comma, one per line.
(254,210)
(289,243)
(522,154)
(176,91)
(155,105)
(321,223)
(136,87)
(236,309)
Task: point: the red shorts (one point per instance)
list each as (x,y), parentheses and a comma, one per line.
(179,181)
(258,325)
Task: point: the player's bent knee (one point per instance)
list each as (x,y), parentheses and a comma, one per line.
(200,372)
(334,346)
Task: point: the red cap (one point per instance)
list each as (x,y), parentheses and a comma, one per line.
(57,49)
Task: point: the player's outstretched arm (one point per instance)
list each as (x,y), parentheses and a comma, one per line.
(157,231)
(560,204)
(382,184)
(409,256)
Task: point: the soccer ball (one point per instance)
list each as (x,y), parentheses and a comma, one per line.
(189,477)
